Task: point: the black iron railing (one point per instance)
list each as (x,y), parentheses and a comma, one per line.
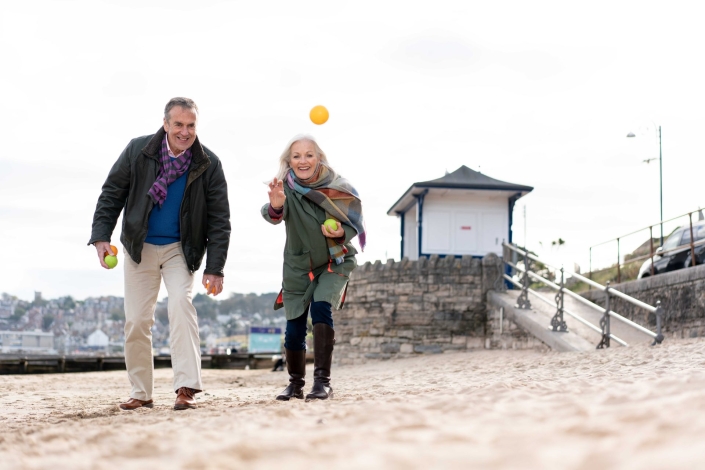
(525,273)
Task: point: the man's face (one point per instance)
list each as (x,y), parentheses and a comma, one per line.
(180,128)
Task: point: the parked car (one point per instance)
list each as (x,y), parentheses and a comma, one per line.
(675,252)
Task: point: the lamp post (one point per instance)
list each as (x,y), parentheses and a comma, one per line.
(660,175)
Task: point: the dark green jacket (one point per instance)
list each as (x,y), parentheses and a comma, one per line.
(308,272)
(205,213)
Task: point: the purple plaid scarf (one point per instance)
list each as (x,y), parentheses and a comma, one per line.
(169,171)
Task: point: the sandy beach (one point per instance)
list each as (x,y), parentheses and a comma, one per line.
(624,408)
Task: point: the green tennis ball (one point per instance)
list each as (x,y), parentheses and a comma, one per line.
(331,225)
(111,261)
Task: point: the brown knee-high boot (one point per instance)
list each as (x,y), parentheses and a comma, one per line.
(323,341)
(296,366)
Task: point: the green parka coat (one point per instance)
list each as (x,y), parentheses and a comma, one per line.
(309,274)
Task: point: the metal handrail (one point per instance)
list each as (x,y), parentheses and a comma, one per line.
(585,301)
(607,312)
(692,243)
(647,227)
(599,286)
(574,315)
(679,247)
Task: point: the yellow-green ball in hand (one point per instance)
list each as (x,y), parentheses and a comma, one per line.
(331,225)
(111,261)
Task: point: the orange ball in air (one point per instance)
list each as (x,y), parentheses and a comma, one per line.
(318,114)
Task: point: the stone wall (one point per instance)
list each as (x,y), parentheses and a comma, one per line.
(431,305)
(682,296)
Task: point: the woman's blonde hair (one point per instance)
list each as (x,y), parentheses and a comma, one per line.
(285,159)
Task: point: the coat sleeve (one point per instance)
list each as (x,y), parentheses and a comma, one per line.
(268,217)
(112,198)
(350,233)
(218,231)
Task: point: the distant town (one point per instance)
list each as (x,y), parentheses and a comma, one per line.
(95,326)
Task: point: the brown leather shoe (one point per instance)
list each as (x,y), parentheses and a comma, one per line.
(134,403)
(185,398)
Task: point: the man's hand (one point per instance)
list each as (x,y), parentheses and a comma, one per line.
(213,284)
(276,194)
(333,234)
(103,249)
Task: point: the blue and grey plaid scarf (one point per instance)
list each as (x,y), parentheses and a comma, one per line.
(338,198)
(169,171)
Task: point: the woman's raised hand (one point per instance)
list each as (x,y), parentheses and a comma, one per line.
(276,194)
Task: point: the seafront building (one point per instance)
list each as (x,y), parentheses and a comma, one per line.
(38,342)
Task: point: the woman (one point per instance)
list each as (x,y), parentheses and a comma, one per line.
(317,260)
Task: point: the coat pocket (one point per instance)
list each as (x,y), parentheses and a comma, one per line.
(296,275)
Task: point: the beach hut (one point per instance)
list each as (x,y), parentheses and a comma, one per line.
(462,213)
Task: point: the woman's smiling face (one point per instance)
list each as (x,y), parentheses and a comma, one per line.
(303,159)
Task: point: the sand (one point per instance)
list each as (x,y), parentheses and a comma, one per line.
(625,408)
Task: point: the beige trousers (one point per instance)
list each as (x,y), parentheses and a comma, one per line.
(142,283)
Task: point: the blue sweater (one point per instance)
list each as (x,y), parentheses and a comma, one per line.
(164,227)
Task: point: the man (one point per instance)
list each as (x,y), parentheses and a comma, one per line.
(175,201)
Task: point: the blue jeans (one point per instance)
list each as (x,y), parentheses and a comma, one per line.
(295,334)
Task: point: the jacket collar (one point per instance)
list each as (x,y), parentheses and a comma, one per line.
(155,144)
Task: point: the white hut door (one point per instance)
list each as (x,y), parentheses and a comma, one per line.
(465,233)
(493,230)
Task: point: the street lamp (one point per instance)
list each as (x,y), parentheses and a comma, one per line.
(660,174)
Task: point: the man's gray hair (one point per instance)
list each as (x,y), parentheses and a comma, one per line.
(186,103)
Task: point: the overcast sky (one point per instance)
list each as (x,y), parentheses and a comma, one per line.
(536,93)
